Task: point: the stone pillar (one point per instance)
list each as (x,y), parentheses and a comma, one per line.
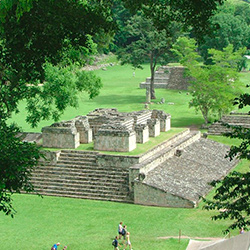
(148,95)
(154,127)
(142,133)
(82,126)
(164,118)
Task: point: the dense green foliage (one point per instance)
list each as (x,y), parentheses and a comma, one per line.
(42,43)
(232,27)
(16,164)
(232,195)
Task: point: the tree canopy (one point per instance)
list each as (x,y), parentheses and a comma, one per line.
(43,45)
(213,87)
(147,44)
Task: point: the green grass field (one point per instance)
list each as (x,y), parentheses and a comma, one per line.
(121,90)
(86,224)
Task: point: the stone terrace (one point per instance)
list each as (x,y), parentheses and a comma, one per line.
(188,173)
(218,128)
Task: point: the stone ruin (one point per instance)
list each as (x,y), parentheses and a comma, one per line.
(67,134)
(110,130)
(168,77)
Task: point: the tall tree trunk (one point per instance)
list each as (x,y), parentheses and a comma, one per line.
(152,69)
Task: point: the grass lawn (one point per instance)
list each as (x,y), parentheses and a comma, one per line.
(86,224)
(121,90)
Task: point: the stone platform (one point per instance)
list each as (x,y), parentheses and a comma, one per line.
(173,174)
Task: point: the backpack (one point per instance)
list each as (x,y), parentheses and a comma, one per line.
(123,231)
(113,243)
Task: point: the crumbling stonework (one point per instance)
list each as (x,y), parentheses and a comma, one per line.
(61,135)
(83,128)
(142,133)
(115,137)
(164,119)
(154,127)
(169,77)
(111,130)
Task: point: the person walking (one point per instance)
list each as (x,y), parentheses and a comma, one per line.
(120,230)
(124,233)
(128,242)
(115,243)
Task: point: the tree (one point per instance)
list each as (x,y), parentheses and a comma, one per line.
(232,194)
(213,87)
(165,18)
(190,12)
(232,22)
(42,42)
(147,44)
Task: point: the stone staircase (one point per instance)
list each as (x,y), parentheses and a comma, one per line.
(76,174)
(218,128)
(164,151)
(168,77)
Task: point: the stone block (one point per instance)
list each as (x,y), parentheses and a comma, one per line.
(165,119)
(60,137)
(142,133)
(154,127)
(115,137)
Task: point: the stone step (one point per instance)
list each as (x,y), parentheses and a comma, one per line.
(166,144)
(167,152)
(84,192)
(86,196)
(158,80)
(82,174)
(77,159)
(81,152)
(79,168)
(75,162)
(70,184)
(81,177)
(77,155)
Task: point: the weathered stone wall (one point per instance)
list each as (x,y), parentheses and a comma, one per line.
(57,136)
(177,78)
(115,137)
(150,196)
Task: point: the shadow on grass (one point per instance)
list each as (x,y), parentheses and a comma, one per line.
(119,99)
(187,122)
